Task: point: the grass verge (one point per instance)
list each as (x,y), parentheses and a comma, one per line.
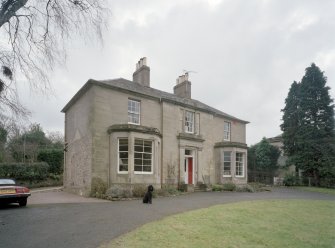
(317,189)
(275,223)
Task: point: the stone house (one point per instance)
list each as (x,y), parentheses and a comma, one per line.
(127,133)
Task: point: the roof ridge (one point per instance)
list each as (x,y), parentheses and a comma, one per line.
(125,84)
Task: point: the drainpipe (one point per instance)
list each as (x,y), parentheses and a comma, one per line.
(65,154)
(162,126)
(109,160)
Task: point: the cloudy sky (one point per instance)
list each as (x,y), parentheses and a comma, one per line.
(246,54)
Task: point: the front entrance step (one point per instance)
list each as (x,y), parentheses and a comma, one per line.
(201,187)
(187,187)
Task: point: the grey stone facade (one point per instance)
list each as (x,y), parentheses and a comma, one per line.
(183,139)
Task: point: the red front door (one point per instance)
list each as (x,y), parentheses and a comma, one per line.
(190,171)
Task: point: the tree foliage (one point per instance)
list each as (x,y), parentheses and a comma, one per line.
(3,140)
(291,117)
(54,158)
(262,161)
(33,38)
(308,125)
(263,156)
(24,145)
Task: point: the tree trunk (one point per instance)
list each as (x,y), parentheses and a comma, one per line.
(316,178)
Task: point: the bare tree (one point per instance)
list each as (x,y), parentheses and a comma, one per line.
(33,35)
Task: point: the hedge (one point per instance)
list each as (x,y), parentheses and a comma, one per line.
(20,171)
(54,157)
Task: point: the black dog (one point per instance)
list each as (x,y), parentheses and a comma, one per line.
(148,195)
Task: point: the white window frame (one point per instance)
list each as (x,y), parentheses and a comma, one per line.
(118,156)
(143,154)
(239,164)
(134,112)
(189,121)
(227,161)
(226,131)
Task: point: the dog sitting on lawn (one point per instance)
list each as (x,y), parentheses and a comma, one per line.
(148,195)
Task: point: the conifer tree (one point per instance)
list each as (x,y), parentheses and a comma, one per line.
(308,126)
(291,119)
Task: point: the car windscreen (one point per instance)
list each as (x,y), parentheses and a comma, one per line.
(7,182)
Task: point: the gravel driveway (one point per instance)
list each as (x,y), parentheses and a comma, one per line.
(91,222)
(57,195)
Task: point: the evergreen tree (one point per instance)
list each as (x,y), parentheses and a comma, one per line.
(291,119)
(308,125)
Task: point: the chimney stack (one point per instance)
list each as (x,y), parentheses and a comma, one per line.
(183,87)
(142,73)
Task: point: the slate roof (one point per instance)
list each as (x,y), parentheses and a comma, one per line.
(131,87)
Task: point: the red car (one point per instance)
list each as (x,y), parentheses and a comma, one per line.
(12,193)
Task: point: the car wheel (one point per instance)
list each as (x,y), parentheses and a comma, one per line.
(23,202)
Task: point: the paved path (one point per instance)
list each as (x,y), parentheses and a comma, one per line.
(93,223)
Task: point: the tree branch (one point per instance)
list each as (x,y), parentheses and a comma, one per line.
(8,9)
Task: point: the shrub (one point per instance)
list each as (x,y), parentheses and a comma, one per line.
(182,187)
(257,187)
(54,157)
(290,180)
(224,187)
(167,190)
(139,190)
(245,188)
(328,182)
(229,187)
(25,172)
(118,191)
(98,188)
(217,187)
(203,186)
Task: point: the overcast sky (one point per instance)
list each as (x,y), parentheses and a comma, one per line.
(246,54)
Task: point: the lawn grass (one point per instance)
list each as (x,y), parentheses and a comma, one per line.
(317,189)
(272,223)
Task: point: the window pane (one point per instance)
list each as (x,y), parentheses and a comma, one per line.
(138,148)
(123,147)
(226,131)
(147,162)
(239,164)
(227,156)
(138,161)
(123,155)
(138,155)
(146,155)
(227,163)
(147,149)
(134,111)
(189,121)
(143,155)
